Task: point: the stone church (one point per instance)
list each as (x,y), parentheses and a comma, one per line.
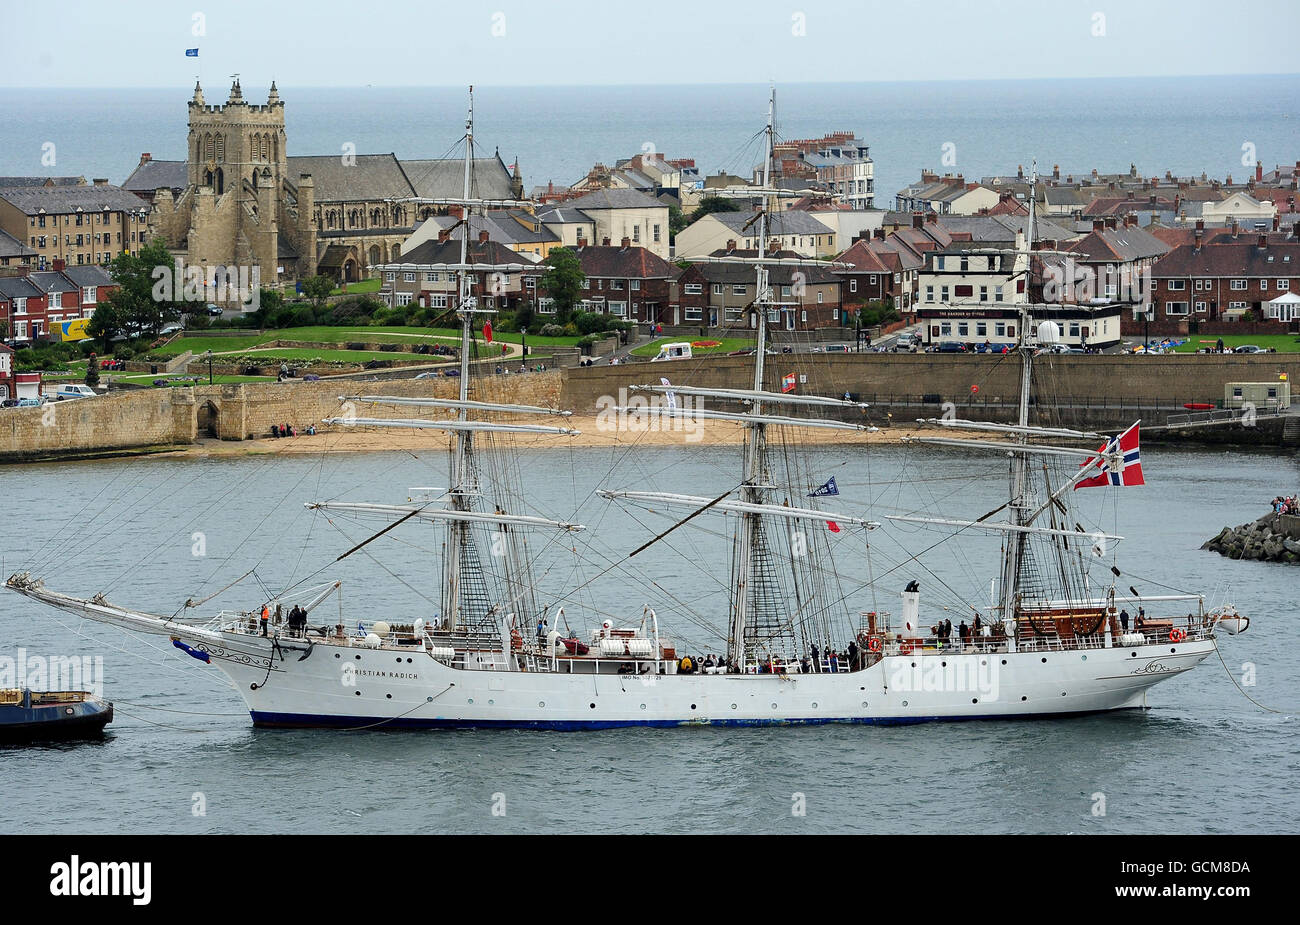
(239,199)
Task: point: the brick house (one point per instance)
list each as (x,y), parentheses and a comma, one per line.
(717,295)
(629,282)
(1224,280)
(33,301)
(427,275)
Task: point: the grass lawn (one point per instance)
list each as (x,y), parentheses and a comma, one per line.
(1282,343)
(394,334)
(148,378)
(275,354)
(725,345)
(363,286)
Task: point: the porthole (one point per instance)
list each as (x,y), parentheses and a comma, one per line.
(943,664)
(864,704)
(1173,650)
(492,703)
(643,706)
(1004,661)
(733,706)
(974,700)
(692,706)
(541,703)
(983,662)
(1044,661)
(814,706)
(904,703)
(471,700)
(913,664)
(1132,655)
(1024,698)
(1062,693)
(389,696)
(399,660)
(1083,657)
(593,706)
(358,693)
(773,706)
(336,655)
(408,661)
(357,657)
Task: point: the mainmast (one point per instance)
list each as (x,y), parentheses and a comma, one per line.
(1019,502)
(458,531)
(751,543)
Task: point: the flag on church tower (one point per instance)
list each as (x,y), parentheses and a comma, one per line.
(191,52)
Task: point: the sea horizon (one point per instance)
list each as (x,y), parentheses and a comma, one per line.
(1188,125)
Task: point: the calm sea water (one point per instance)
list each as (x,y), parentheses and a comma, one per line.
(1187,125)
(1201,760)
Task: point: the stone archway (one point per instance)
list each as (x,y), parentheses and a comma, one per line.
(208,424)
(376,255)
(349,273)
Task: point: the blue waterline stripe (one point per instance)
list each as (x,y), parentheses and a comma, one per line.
(310,721)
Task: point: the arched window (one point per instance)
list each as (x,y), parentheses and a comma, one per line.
(375,257)
(396,251)
(221,147)
(398,218)
(352,219)
(375,218)
(207,146)
(221,181)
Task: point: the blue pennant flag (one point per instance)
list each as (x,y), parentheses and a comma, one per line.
(829,488)
(191,52)
(361,630)
(200,655)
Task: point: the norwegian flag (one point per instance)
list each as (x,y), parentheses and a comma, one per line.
(788,383)
(1129,471)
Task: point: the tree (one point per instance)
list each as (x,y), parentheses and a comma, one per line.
(317,288)
(105,324)
(563,281)
(92,371)
(676,222)
(148,296)
(710,204)
(268,302)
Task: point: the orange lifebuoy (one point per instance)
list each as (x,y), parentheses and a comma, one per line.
(905,647)
(874,644)
(516,639)
(1177,635)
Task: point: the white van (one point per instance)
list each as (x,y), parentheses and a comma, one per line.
(67,392)
(678,351)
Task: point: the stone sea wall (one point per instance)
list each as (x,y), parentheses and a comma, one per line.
(1272,538)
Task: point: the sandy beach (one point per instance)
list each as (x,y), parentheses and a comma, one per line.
(593,432)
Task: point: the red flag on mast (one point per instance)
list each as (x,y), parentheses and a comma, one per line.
(487,331)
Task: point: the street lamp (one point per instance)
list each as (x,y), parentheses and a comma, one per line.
(1146,330)
(209,358)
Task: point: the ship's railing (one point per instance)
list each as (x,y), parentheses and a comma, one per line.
(58,697)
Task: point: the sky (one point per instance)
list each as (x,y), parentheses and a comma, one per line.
(141,43)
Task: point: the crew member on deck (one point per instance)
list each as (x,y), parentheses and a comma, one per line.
(266,618)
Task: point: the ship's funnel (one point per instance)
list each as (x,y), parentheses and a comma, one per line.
(912,610)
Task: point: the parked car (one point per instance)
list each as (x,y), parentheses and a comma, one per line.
(430,375)
(213,310)
(70,392)
(951,346)
(836,348)
(1248,348)
(31,402)
(171,329)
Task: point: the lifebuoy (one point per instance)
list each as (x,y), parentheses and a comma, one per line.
(516,639)
(874,644)
(1177,635)
(905,647)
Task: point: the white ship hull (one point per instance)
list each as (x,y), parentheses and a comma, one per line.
(383,688)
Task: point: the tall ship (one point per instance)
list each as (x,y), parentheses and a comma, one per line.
(1053,640)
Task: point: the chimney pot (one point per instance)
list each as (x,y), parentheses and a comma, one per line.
(1200,224)
(917,219)
(1098,224)
(146,157)
(58,265)
(931,218)
(1263,240)
(604,242)
(627,242)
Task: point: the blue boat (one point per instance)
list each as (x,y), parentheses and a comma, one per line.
(30,716)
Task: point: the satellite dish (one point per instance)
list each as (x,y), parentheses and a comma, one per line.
(1049,332)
